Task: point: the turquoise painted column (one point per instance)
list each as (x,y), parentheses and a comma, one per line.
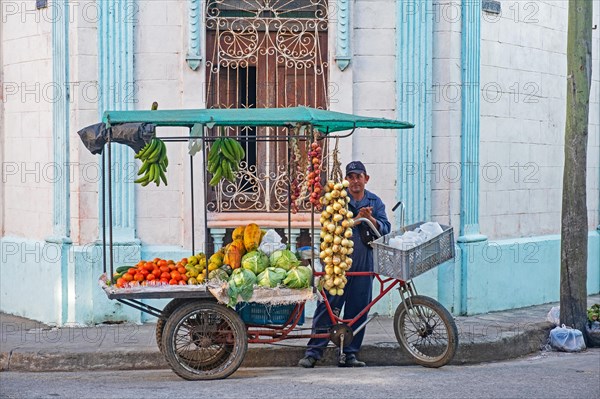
(414,27)
(117,89)
(193,56)
(342,37)
(469,234)
(61,214)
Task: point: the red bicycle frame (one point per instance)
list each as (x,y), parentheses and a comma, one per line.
(273,333)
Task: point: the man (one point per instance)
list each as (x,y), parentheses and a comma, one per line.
(357,293)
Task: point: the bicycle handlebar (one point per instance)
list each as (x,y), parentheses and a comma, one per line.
(370,224)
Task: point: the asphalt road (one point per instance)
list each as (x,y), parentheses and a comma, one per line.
(546,375)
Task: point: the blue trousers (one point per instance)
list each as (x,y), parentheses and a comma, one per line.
(357,295)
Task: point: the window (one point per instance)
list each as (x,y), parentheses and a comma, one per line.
(263,54)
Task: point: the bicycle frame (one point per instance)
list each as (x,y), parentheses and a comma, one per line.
(274,333)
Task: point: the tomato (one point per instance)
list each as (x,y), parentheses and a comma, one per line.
(181,270)
(184,277)
(170,262)
(127,276)
(181,282)
(166,275)
(121,282)
(144,272)
(161,262)
(164,268)
(164,281)
(155,260)
(132,271)
(175,275)
(173,282)
(138,277)
(150,277)
(184,261)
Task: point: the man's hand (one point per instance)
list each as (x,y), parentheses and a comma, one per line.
(367,213)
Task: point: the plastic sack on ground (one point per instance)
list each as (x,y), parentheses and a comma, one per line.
(271,242)
(553,315)
(567,339)
(593,333)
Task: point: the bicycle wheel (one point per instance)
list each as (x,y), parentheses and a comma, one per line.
(160,323)
(203,340)
(426,331)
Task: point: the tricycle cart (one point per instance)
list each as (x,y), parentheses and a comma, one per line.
(202,338)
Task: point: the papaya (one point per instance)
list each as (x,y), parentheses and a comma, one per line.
(234,253)
(252,236)
(238,233)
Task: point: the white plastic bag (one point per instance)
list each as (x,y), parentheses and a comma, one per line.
(271,242)
(567,339)
(553,315)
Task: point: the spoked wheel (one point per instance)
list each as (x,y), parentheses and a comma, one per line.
(203,340)
(160,323)
(426,331)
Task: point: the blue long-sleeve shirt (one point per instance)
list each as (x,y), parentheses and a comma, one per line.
(362,257)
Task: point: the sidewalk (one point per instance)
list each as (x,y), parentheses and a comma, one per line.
(27,345)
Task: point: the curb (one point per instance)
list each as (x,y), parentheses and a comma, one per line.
(381,354)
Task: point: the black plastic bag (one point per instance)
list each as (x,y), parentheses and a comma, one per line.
(134,135)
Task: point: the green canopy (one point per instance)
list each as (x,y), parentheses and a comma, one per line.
(324,121)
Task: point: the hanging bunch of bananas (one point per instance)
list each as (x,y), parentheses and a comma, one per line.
(223,159)
(154,163)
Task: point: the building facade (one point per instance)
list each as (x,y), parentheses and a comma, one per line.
(483,81)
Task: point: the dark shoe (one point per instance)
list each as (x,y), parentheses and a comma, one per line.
(308,362)
(351,361)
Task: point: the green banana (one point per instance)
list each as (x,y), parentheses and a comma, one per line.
(227,173)
(241,152)
(228,151)
(163,177)
(142,151)
(157,153)
(144,168)
(150,150)
(142,179)
(216,176)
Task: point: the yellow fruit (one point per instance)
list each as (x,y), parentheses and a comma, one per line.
(238,233)
(252,236)
(212,266)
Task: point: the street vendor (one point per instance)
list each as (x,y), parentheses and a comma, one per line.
(358,290)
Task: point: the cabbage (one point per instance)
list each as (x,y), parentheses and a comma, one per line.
(255,261)
(298,277)
(241,283)
(284,259)
(271,277)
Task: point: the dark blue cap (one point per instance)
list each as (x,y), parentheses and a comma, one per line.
(355,167)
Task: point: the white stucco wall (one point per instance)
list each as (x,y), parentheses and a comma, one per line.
(27,125)
(446,115)
(523,81)
(374,92)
